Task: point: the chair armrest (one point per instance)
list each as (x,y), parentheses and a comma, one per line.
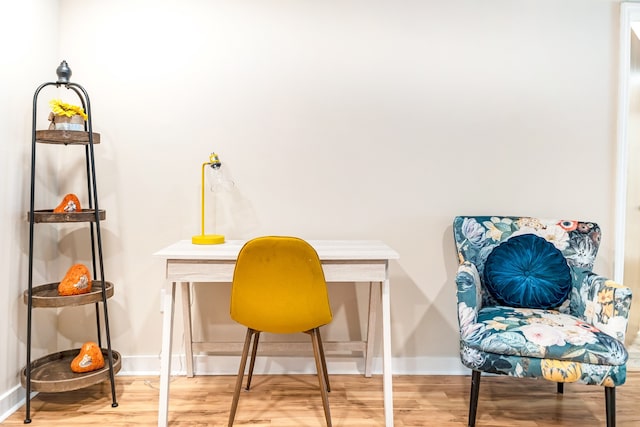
(469,297)
(600,302)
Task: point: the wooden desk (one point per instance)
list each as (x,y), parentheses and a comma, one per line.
(342,261)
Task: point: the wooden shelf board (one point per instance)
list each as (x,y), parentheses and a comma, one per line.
(47,295)
(73,137)
(85,215)
(52,373)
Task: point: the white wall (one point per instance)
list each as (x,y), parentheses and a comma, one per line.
(631,253)
(373,120)
(29,30)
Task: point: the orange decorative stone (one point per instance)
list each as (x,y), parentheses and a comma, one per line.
(89,359)
(70,203)
(77,281)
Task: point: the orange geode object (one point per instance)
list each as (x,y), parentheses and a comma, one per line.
(70,203)
(89,359)
(77,281)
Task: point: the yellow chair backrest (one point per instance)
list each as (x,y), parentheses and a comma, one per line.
(279,286)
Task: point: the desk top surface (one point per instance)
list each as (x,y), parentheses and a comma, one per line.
(326,249)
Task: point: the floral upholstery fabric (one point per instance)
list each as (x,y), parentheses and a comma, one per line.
(579,341)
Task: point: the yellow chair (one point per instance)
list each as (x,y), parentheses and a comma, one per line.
(279,287)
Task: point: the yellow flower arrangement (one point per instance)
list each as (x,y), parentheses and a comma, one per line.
(63,109)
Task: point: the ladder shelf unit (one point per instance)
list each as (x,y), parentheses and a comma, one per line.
(52,372)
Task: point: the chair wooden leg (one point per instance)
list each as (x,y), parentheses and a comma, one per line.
(610,404)
(560,388)
(473,400)
(243,364)
(324,362)
(252,363)
(322,379)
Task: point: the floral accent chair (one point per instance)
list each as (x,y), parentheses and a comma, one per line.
(529,304)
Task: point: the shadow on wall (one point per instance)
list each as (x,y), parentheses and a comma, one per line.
(436,332)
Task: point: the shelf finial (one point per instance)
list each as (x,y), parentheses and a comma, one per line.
(64,72)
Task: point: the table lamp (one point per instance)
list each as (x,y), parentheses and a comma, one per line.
(202,238)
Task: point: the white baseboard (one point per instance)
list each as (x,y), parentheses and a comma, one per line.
(228,365)
(11,401)
(14,399)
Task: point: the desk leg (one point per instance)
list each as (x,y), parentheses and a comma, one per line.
(386,354)
(374,303)
(165,358)
(186,321)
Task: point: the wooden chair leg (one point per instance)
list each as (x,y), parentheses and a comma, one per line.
(324,363)
(252,363)
(610,404)
(473,400)
(315,333)
(560,388)
(243,364)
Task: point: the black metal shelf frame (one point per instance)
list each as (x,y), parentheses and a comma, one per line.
(64,73)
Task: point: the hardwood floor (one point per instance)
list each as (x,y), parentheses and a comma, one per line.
(294,400)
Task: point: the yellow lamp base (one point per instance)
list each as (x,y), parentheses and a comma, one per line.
(207,239)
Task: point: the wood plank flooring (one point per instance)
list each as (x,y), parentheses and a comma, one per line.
(294,400)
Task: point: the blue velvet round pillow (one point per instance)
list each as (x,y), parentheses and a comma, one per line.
(529,272)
